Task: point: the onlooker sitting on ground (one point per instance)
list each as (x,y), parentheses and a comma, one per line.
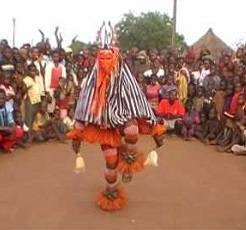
(10,134)
(171,110)
(190,121)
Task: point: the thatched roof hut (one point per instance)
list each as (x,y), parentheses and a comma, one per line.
(211,42)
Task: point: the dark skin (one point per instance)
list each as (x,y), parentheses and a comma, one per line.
(7,77)
(5,129)
(212,127)
(8,54)
(171,100)
(199,132)
(56,58)
(233,137)
(18,120)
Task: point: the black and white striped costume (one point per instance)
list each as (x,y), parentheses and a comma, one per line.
(125,100)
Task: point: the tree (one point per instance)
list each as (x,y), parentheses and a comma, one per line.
(77,46)
(147,31)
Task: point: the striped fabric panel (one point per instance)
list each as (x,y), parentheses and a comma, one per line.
(125,101)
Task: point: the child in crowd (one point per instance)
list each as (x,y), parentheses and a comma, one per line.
(219,99)
(59,129)
(33,96)
(240,107)
(21,125)
(62,97)
(71,91)
(40,124)
(212,127)
(200,128)
(7,77)
(199,99)
(190,121)
(228,98)
(69,120)
(208,100)
(234,103)
(46,128)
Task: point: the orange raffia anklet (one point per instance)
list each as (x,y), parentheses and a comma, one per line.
(112,199)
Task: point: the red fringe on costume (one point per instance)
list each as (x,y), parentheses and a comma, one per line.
(148,129)
(93,134)
(108,204)
(133,167)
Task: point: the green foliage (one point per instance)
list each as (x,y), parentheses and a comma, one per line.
(77,46)
(147,31)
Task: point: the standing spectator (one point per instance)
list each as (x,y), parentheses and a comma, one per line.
(33,98)
(9,90)
(199,99)
(212,80)
(152,92)
(156,69)
(204,72)
(219,99)
(40,67)
(141,65)
(54,70)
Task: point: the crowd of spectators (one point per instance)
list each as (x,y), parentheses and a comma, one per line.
(194,97)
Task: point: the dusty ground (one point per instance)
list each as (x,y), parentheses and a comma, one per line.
(193,188)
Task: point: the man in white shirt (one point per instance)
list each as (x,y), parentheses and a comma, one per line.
(204,72)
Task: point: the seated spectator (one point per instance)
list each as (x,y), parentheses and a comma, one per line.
(231,137)
(69,120)
(46,128)
(241,147)
(41,121)
(59,128)
(212,127)
(171,110)
(200,128)
(10,134)
(190,121)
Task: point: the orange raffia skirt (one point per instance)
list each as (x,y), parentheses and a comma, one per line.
(112,137)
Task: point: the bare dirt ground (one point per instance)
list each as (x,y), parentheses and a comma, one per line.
(193,188)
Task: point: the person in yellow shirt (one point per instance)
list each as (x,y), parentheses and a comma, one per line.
(33,96)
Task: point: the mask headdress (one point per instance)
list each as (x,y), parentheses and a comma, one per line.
(107,66)
(106,37)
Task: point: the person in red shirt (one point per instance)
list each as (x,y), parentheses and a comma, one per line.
(234,102)
(171,110)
